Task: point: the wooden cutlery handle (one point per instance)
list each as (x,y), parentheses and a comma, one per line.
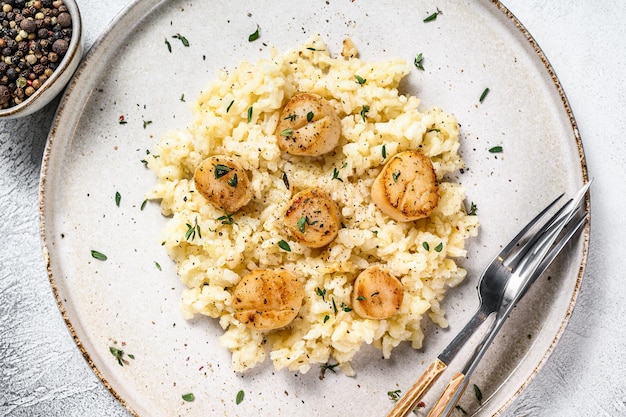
(447,396)
(409,401)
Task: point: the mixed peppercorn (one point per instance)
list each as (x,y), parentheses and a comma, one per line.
(34,37)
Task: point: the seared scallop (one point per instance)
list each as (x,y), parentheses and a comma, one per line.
(406,189)
(377,294)
(308,126)
(313,218)
(223,181)
(267,299)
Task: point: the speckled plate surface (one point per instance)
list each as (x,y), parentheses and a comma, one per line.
(127,302)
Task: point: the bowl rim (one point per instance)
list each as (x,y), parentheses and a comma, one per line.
(74,53)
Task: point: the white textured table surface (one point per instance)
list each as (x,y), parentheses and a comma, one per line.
(42,373)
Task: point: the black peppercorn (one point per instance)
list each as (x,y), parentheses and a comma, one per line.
(34,37)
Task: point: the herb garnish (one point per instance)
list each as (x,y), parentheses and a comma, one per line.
(479,395)
(169,46)
(321,292)
(364,110)
(287,132)
(330,367)
(302,222)
(189,397)
(360,79)
(432,17)
(192,230)
(229,106)
(419,59)
(334,306)
(484,94)
(143,204)
(394,395)
(221,170)
(458,407)
(439,247)
(336,175)
(146,123)
(227,218)
(473,209)
(396,175)
(119,355)
(233,181)
(99,255)
(495,149)
(384,151)
(326,318)
(425,245)
(345,307)
(158,265)
(249,114)
(254,36)
(360,298)
(239,397)
(182,97)
(284,246)
(285,180)
(182,39)
(291,117)
(118,198)
(309,116)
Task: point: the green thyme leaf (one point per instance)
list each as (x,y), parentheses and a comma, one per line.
(169,45)
(334,306)
(98,255)
(239,397)
(221,170)
(143,204)
(419,61)
(473,209)
(345,307)
(233,181)
(426,246)
(180,37)
(182,97)
(146,123)
(360,298)
(284,246)
(254,36)
(302,222)
(309,116)
(432,17)
(158,265)
(227,218)
(336,175)
(364,110)
(360,79)
(495,149)
(439,247)
(384,151)
(249,114)
(479,395)
(230,105)
(321,292)
(291,117)
(189,397)
(396,175)
(287,132)
(458,407)
(118,198)
(326,318)
(330,367)
(484,94)
(394,395)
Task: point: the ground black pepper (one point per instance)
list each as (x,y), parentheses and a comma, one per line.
(34,37)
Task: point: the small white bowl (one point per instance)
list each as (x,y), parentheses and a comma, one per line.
(61,75)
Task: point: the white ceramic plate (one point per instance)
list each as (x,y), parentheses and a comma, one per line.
(129,303)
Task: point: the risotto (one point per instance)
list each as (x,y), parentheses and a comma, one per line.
(236,116)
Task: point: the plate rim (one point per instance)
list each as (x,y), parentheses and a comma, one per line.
(141,8)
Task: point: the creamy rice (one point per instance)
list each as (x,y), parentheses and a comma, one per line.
(213,258)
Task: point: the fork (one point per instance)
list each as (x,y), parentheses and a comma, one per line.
(503,283)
